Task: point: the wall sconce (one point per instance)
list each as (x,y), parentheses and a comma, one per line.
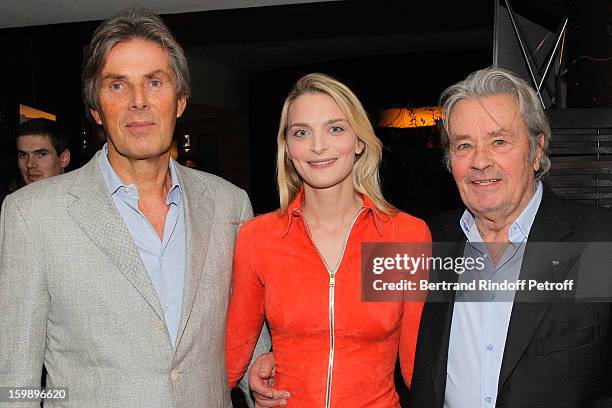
(26,113)
(410,117)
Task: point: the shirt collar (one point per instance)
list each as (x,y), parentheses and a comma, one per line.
(174,194)
(114,183)
(294,210)
(520,228)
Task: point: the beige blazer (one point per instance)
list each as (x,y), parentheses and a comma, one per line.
(74,295)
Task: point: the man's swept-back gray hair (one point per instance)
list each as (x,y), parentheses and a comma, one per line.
(497,81)
(127,25)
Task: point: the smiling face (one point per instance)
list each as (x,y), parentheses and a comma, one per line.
(490,157)
(137,99)
(320,141)
(37,158)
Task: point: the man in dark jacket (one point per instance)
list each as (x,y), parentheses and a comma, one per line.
(510,353)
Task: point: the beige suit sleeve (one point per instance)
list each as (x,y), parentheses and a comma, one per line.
(24,302)
(264,343)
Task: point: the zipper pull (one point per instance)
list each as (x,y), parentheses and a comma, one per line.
(332,279)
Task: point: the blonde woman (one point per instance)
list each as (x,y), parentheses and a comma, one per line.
(299,267)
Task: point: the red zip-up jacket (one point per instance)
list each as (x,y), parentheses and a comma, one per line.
(279,276)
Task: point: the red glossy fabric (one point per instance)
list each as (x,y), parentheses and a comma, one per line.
(279,275)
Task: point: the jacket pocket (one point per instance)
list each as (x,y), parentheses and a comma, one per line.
(567,341)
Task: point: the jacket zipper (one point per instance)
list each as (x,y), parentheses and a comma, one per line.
(332,285)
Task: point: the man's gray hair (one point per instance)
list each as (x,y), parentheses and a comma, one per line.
(127,25)
(497,81)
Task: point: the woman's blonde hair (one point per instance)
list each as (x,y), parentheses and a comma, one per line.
(365,171)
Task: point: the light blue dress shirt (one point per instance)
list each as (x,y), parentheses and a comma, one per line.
(163,259)
(479,329)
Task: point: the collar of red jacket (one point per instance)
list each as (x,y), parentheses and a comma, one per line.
(294,210)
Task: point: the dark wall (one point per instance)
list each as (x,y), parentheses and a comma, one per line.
(7,159)
(589,55)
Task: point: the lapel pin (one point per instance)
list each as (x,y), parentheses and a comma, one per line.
(555,262)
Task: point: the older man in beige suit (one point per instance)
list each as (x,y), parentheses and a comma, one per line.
(116,276)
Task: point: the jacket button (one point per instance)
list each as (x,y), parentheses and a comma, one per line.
(174,375)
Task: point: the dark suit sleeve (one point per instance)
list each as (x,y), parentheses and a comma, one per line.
(605,401)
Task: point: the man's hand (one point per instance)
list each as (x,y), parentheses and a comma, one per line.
(261,380)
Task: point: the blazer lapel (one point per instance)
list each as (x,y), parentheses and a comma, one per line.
(442,312)
(527,316)
(199,211)
(451,243)
(95,213)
